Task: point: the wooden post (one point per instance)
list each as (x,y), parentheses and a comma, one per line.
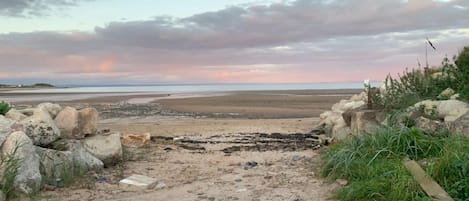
(426,182)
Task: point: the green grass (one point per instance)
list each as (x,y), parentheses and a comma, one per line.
(372,164)
(4,108)
(10,165)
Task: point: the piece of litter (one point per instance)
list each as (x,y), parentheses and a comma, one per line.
(139,181)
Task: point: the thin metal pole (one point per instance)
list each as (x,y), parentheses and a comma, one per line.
(426,53)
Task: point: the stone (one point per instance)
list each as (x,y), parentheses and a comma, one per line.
(363,96)
(341,132)
(449,110)
(455,97)
(106,148)
(447,93)
(135,141)
(67,122)
(460,126)
(330,118)
(5,128)
(83,158)
(342,182)
(52,109)
(15,115)
(54,164)
(41,128)
(346,105)
(88,121)
(19,146)
(429,126)
(364,121)
(138,181)
(3,197)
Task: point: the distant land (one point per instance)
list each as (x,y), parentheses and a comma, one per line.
(37,85)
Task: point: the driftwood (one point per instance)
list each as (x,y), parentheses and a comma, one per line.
(426,182)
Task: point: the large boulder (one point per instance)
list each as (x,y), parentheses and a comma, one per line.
(107,148)
(15,115)
(346,105)
(460,125)
(429,126)
(88,121)
(41,128)
(52,109)
(449,110)
(364,121)
(67,122)
(5,128)
(55,164)
(83,158)
(340,131)
(19,147)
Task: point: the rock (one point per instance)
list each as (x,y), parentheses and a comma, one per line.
(88,121)
(342,182)
(5,128)
(449,110)
(52,109)
(41,128)
(341,132)
(454,97)
(15,115)
(131,140)
(20,147)
(363,96)
(364,121)
(447,93)
(83,158)
(346,105)
(428,125)
(138,181)
(3,197)
(460,125)
(330,118)
(67,122)
(54,164)
(106,148)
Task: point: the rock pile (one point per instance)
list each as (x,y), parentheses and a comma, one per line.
(47,141)
(351,117)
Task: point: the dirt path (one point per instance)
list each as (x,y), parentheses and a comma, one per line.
(206,171)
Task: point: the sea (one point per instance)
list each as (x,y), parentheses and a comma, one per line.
(174,90)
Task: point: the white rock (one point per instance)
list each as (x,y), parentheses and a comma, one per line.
(451,110)
(83,158)
(41,128)
(347,105)
(19,146)
(447,92)
(52,109)
(88,121)
(138,181)
(54,163)
(106,148)
(454,97)
(67,122)
(359,97)
(5,128)
(15,115)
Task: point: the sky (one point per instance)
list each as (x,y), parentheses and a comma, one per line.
(89,42)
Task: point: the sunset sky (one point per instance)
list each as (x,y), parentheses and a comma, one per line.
(223,41)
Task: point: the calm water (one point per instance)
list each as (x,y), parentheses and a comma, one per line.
(176,91)
(200,88)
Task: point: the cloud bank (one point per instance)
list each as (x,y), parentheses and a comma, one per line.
(294,41)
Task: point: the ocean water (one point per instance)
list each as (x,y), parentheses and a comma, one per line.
(176,91)
(194,88)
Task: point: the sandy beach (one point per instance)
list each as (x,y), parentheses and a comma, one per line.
(228,130)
